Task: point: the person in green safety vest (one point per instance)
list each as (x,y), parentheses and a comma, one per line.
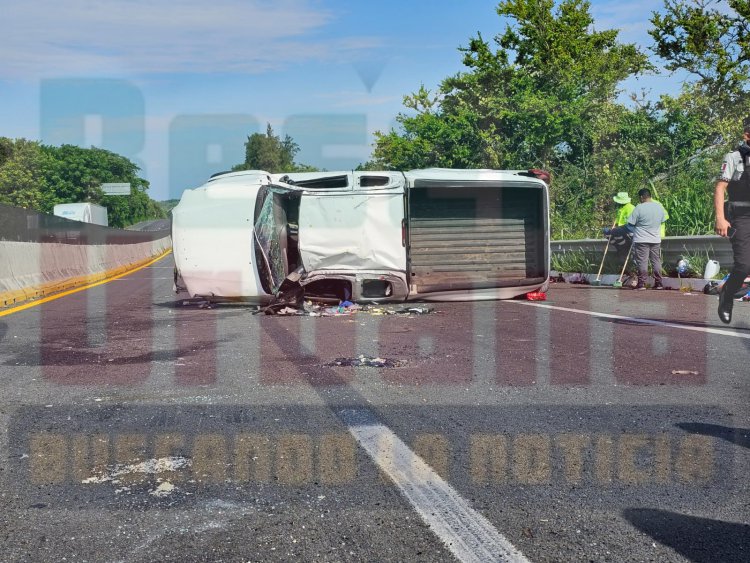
(663,231)
(624,208)
(621,239)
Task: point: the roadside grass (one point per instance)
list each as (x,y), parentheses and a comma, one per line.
(578,261)
(582,262)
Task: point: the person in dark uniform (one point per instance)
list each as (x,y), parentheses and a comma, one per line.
(733,219)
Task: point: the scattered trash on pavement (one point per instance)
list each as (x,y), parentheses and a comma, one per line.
(200,303)
(376,310)
(311,309)
(164,489)
(364,361)
(578,279)
(143,471)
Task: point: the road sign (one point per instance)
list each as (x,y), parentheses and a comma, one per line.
(116,189)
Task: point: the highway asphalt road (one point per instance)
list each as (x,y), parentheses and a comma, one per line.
(600,425)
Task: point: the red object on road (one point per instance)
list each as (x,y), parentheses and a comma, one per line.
(536,296)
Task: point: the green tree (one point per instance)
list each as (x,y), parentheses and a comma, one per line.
(709,39)
(545,94)
(529,102)
(271,153)
(38,177)
(76,175)
(448,140)
(6,149)
(22,178)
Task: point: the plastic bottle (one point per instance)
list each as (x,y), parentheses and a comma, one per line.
(712,270)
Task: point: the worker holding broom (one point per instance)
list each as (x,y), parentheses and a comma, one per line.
(645,223)
(621,238)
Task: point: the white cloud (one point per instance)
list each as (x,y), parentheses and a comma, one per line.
(82,37)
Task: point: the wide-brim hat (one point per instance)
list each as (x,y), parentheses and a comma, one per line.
(622,198)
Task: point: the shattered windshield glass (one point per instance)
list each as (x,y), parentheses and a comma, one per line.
(270,223)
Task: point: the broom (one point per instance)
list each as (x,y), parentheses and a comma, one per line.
(597,281)
(618,283)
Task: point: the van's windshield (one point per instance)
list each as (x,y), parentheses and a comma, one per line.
(275,250)
(266,233)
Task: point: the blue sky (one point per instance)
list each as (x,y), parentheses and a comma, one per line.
(177,86)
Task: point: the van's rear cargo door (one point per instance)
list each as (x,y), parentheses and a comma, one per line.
(467,235)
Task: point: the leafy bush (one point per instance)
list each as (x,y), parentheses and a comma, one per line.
(37,176)
(687,196)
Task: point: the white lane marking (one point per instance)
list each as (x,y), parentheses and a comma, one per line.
(636,320)
(466,533)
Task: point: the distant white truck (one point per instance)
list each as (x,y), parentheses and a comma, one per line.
(83,212)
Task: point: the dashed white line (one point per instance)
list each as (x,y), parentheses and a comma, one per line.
(464,531)
(636,319)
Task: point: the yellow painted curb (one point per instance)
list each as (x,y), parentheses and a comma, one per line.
(55,290)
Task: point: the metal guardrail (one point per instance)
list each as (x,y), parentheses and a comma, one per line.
(672,248)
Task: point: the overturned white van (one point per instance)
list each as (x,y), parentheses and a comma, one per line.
(433,234)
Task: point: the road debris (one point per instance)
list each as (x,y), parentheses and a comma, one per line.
(164,489)
(684,372)
(115,473)
(374,310)
(364,361)
(311,309)
(578,279)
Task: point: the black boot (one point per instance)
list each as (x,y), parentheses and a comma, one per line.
(725,306)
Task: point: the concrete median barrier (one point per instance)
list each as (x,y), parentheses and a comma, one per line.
(33,270)
(41,255)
